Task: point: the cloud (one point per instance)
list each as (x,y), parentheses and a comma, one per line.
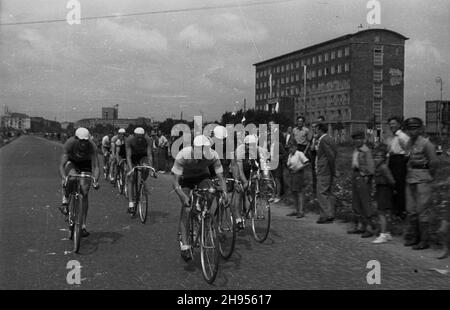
(196,37)
(135,37)
(424,51)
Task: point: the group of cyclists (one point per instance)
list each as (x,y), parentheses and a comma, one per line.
(190,170)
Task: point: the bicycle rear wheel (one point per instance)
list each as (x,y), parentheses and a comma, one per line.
(143,203)
(226,229)
(78,220)
(209,248)
(261,217)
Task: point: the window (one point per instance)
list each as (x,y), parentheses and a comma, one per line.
(319,58)
(319,72)
(378,91)
(292,66)
(378,56)
(282,92)
(347,51)
(313,74)
(326,57)
(377,75)
(339,69)
(297,76)
(339,53)
(297,64)
(287,80)
(377,108)
(333,55)
(325,71)
(314,60)
(282,80)
(303,62)
(346,67)
(282,68)
(332,70)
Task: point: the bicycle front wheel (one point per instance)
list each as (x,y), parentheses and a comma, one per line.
(143,203)
(209,248)
(226,228)
(77,223)
(260,218)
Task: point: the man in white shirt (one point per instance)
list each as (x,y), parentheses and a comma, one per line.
(397,163)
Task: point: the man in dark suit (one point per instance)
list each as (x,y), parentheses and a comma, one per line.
(326,152)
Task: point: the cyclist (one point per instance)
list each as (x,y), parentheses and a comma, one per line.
(190,172)
(138,148)
(79,155)
(118,152)
(106,150)
(248,156)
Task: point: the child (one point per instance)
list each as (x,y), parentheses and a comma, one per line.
(363,169)
(385,183)
(296,163)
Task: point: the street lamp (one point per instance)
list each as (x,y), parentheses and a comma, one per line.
(439,81)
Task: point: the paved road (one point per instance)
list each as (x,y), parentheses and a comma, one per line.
(121,253)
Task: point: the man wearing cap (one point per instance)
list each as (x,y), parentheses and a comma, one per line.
(248,155)
(325,164)
(138,148)
(421,168)
(79,155)
(118,152)
(191,169)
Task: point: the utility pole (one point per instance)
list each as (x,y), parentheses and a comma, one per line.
(439,121)
(245,104)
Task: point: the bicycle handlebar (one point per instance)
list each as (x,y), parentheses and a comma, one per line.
(143,167)
(82,176)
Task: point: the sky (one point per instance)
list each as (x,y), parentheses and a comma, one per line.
(191,60)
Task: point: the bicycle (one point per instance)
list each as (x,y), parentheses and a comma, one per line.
(121,176)
(141,191)
(259,209)
(226,223)
(203,231)
(75,216)
(106,165)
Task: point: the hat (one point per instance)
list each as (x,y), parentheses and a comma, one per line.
(358,135)
(139,131)
(82,133)
(220,132)
(121,130)
(413,122)
(201,140)
(249,139)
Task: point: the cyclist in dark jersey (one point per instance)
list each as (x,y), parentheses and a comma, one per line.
(138,149)
(118,152)
(79,155)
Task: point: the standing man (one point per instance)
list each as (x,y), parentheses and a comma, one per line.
(326,172)
(397,164)
(421,168)
(302,135)
(312,155)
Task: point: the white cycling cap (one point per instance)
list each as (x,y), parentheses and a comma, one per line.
(139,131)
(82,133)
(121,130)
(249,139)
(220,132)
(201,140)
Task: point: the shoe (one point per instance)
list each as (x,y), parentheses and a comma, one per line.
(423,244)
(367,234)
(388,236)
(186,255)
(382,238)
(84,233)
(300,215)
(322,221)
(292,213)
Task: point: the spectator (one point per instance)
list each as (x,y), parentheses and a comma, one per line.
(326,172)
(296,163)
(385,183)
(302,134)
(154,139)
(288,136)
(312,155)
(363,169)
(421,168)
(280,157)
(397,163)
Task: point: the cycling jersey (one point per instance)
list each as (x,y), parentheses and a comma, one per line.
(138,145)
(120,144)
(106,142)
(188,167)
(249,160)
(80,153)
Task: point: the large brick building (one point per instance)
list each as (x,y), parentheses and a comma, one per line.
(351,80)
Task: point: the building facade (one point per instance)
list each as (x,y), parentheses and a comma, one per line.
(437,117)
(110,113)
(17,121)
(116,123)
(351,80)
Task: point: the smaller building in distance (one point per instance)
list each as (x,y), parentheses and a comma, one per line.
(437,117)
(110,112)
(16,121)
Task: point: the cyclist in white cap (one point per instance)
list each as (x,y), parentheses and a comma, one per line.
(79,155)
(138,149)
(190,172)
(117,151)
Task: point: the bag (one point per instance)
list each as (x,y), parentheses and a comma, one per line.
(297,161)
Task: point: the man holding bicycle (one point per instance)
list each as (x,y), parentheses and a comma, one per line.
(190,172)
(79,155)
(249,156)
(138,148)
(118,151)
